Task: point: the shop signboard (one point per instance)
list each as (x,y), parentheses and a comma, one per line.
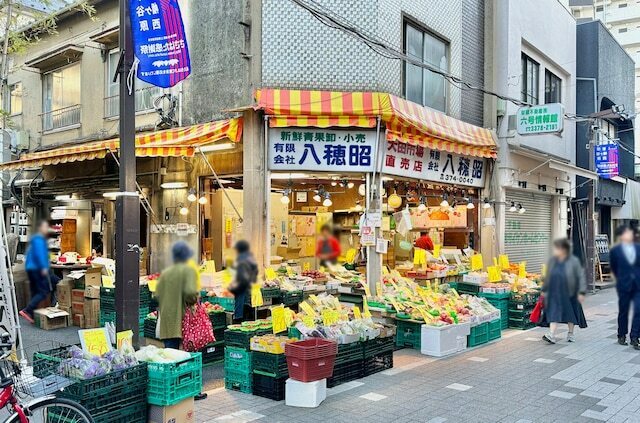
(414,161)
(439,217)
(322,149)
(607,160)
(542,119)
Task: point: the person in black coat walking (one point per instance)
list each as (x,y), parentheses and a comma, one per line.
(624,260)
(246,275)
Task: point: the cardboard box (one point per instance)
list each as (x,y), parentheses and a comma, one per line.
(93,276)
(92,291)
(51,318)
(181,412)
(91,310)
(77,307)
(66,308)
(77,295)
(78,320)
(63,292)
(91,324)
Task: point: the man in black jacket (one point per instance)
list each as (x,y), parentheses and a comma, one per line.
(246,275)
(625,265)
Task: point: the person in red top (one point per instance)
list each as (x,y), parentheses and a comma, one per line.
(424,242)
(328,248)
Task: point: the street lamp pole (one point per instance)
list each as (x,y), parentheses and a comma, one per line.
(127,203)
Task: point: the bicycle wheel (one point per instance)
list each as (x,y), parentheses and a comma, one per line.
(54,410)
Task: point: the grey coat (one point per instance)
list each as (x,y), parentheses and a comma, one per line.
(576,279)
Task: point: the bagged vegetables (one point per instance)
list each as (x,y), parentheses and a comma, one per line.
(82,365)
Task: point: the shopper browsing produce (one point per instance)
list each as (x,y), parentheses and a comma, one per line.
(328,249)
(175,292)
(246,275)
(564,288)
(37,267)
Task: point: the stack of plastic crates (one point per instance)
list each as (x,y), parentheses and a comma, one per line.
(170,383)
(378,355)
(408,334)
(214,352)
(238,369)
(150,328)
(521,306)
(291,297)
(108,305)
(479,335)
(349,364)
(501,302)
(270,372)
(116,397)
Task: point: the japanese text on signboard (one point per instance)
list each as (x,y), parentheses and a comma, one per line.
(540,119)
(414,161)
(321,149)
(160,42)
(607,159)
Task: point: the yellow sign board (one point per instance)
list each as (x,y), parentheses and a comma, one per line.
(495,274)
(503,261)
(522,269)
(419,256)
(365,307)
(95,341)
(307,309)
(306,266)
(124,338)
(270,274)
(152,284)
(278,319)
(356,312)
(308,321)
(290,272)
(476,262)
(256,296)
(351,255)
(436,250)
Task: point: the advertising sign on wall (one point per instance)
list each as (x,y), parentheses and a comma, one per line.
(414,161)
(320,149)
(541,119)
(607,165)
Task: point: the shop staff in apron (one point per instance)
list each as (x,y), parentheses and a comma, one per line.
(328,249)
(246,275)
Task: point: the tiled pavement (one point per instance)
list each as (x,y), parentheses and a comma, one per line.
(518,379)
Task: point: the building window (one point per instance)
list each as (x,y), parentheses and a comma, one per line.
(13,105)
(145,92)
(599,8)
(607,129)
(552,88)
(530,79)
(61,98)
(423,86)
(621,5)
(622,30)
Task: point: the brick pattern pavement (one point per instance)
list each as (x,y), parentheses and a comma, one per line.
(518,379)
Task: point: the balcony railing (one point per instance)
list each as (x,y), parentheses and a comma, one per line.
(60,118)
(144,101)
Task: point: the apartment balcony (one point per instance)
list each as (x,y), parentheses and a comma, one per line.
(617,15)
(631,37)
(61,118)
(144,101)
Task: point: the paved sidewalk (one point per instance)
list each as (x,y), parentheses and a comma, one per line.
(518,379)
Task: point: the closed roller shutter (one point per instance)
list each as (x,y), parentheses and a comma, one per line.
(528,235)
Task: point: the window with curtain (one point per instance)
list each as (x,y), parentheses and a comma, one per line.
(421,85)
(552,88)
(529,79)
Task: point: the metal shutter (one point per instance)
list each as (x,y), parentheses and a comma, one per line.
(528,235)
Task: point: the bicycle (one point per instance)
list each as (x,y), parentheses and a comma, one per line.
(43,409)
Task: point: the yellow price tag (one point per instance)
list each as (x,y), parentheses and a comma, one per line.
(365,308)
(278,319)
(124,338)
(327,317)
(107,281)
(306,266)
(543,270)
(379,289)
(495,274)
(476,262)
(270,274)
(385,270)
(308,321)
(351,255)
(419,256)
(209,267)
(95,341)
(152,284)
(288,316)
(503,261)
(366,288)
(356,312)
(256,295)
(395,305)
(522,269)
(308,309)
(436,250)
(315,299)
(424,314)
(495,261)
(290,272)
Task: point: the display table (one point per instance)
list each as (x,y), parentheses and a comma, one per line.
(63,270)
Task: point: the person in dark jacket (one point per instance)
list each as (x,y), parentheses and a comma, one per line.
(564,288)
(246,275)
(624,260)
(37,265)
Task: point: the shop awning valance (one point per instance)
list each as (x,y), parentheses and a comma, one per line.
(405,121)
(177,142)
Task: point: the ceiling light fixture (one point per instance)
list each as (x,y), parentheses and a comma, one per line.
(203,200)
(486,204)
(183,210)
(521,209)
(192,195)
(445,202)
(513,207)
(174,185)
(470,204)
(327,200)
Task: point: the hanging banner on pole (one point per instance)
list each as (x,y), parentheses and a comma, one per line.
(607,163)
(159,41)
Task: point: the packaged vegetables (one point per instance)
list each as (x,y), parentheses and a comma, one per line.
(82,365)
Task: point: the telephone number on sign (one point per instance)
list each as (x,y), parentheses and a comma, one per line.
(539,128)
(455,178)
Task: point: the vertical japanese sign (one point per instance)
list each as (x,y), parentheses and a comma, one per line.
(160,42)
(607,160)
(414,161)
(319,149)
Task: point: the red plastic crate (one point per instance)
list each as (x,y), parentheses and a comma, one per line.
(311,360)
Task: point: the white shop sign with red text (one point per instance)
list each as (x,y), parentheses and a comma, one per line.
(413,161)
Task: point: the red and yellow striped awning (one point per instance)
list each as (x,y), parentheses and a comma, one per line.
(177,142)
(405,121)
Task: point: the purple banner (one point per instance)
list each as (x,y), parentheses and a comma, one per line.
(607,160)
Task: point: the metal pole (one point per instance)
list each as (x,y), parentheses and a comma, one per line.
(5,62)
(127,203)
(590,261)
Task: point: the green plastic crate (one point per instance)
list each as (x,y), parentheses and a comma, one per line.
(134,413)
(479,335)
(520,314)
(272,364)
(228,303)
(268,293)
(213,353)
(408,334)
(170,383)
(237,338)
(495,329)
(490,296)
(349,352)
(293,332)
(468,288)
(238,381)
(522,324)
(218,319)
(238,359)
(292,297)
